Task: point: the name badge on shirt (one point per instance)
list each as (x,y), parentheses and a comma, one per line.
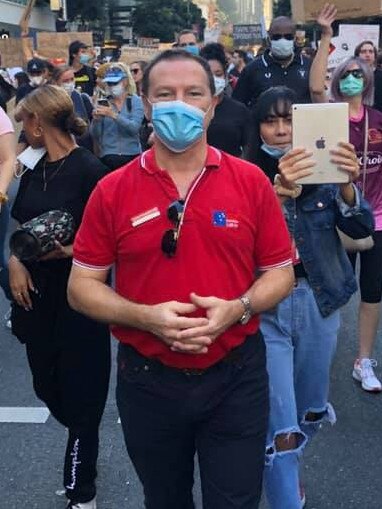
(145,216)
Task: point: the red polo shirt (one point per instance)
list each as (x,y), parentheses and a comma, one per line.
(233,226)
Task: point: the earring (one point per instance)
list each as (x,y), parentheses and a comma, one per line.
(39,133)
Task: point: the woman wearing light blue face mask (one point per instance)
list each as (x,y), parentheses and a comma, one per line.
(84,75)
(229,129)
(117,120)
(353,82)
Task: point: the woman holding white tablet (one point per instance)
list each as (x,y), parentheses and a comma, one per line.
(301,332)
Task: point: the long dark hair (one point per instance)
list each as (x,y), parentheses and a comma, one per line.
(274,101)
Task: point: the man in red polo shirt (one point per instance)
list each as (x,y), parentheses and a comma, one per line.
(187,228)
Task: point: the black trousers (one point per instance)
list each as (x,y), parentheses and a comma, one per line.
(69,357)
(168,415)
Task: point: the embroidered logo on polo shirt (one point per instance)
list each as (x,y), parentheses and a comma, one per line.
(145,216)
(222,219)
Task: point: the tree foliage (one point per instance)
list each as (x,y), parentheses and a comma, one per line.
(85,10)
(162,19)
(282,8)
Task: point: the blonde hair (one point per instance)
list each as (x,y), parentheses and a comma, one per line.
(131,88)
(54,106)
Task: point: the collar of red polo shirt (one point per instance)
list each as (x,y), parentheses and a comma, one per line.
(149,164)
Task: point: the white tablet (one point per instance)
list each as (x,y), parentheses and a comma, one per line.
(319,128)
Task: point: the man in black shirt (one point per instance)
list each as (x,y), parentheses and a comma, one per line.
(37,70)
(84,75)
(279,65)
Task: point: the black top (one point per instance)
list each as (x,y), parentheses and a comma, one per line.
(265,72)
(52,321)
(86,79)
(378,89)
(23,91)
(229,129)
(69,189)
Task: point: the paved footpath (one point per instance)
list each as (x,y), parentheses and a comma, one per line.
(343,467)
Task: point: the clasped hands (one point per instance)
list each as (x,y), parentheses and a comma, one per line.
(194,335)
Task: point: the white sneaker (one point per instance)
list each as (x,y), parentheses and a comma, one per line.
(363,372)
(83,505)
(7,319)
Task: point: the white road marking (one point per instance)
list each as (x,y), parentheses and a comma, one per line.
(28,415)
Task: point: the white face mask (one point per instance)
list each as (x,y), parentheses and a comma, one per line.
(283,48)
(220,84)
(69,87)
(117,90)
(36,81)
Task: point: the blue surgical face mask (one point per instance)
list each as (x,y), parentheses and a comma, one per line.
(177,124)
(282,48)
(192,48)
(351,86)
(84,58)
(275,152)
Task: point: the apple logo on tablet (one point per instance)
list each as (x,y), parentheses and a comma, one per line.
(320,144)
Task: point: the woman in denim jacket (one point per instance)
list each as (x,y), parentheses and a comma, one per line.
(301,332)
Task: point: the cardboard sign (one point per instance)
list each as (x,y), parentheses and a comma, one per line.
(247,35)
(130,54)
(11,51)
(52,45)
(308,10)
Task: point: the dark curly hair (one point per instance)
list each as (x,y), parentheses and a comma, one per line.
(215,51)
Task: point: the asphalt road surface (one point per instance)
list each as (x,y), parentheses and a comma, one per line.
(342,467)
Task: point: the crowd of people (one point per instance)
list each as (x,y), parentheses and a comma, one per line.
(194,243)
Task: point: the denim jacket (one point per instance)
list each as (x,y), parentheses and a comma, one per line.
(312,220)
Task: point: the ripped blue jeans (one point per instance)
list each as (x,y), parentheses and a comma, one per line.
(300,347)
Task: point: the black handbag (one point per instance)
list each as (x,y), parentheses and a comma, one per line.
(38,236)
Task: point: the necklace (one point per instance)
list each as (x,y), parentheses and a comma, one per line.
(46,180)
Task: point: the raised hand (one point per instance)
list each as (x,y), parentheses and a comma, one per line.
(326,18)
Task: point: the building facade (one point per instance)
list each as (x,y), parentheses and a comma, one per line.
(42,18)
(254,11)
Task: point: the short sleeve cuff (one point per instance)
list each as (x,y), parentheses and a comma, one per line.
(91,266)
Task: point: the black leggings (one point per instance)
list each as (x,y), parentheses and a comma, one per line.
(370,280)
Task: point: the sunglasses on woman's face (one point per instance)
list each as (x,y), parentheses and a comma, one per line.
(170,237)
(277,37)
(135,70)
(357,73)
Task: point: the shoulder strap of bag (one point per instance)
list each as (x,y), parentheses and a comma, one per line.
(128,104)
(365,151)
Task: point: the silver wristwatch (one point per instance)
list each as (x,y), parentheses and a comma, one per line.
(248,312)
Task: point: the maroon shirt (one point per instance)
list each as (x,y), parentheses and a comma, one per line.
(373,182)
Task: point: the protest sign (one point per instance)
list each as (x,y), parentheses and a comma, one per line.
(11,51)
(130,54)
(358,33)
(343,46)
(308,10)
(212,34)
(247,35)
(52,45)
